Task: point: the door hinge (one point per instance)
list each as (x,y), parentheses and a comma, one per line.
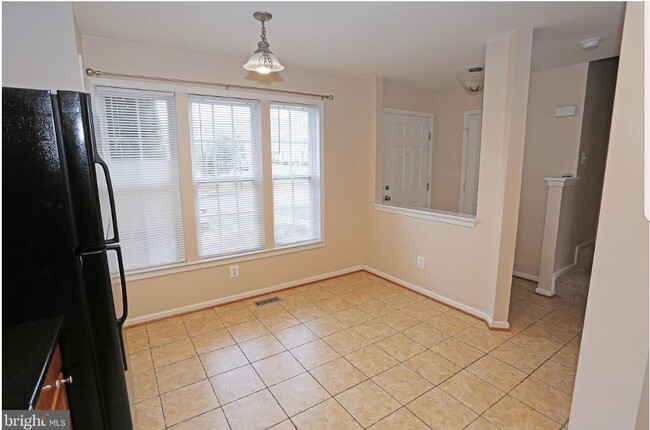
(429,135)
(427,186)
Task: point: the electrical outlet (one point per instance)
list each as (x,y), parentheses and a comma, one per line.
(234,270)
(420,262)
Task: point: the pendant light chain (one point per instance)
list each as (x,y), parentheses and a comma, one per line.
(266,58)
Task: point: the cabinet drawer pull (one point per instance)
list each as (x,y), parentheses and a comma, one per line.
(58,384)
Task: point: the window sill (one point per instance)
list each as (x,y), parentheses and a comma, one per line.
(215,262)
(429,214)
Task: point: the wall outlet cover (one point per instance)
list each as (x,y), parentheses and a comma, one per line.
(234,270)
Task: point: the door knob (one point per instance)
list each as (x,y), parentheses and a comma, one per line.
(386,198)
(57,384)
(68,380)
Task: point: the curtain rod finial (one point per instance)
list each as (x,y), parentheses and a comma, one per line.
(91,72)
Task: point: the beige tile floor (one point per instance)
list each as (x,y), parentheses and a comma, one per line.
(357,352)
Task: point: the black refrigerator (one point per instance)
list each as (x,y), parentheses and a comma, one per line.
(55,253)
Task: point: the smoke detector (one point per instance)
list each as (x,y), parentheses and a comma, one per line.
(591,43)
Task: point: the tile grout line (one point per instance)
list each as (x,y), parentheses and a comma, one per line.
(402,331)
(267,387)
(506,393)
(207,378)
(295,358)
(320,338)
(349,388)
(528,374)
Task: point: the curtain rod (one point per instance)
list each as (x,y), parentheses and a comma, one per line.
(100,73)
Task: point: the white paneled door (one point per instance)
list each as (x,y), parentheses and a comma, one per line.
(407,140)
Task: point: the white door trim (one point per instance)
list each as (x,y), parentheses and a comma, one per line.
(430,163)
(463,163)
(469,113)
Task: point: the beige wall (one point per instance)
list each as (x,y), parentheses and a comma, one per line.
(396,240)
(551,149)
(594,139)
(448,108)
(614,352)
(398,97)
(448,114)
(374,128)
(39,46)
(344,137)
(581,203)
(643,414)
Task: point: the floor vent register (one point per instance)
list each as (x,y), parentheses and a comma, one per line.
(268,301)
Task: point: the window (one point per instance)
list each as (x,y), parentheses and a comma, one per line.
(253,167)
(295,168)
(226,174)
(136,136)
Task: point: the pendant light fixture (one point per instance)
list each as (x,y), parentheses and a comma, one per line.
(263,61)
(472,79)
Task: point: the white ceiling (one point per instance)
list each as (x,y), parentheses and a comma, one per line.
(415,44)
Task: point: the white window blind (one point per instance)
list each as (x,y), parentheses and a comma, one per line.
(136,136)
(296,177)
(226,158)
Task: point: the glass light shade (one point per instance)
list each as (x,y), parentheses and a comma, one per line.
(256,63)
(472,81)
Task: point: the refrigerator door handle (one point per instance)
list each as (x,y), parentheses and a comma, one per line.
(111,197)
(125,298)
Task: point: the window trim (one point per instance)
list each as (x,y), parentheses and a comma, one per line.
(437,215)
(182,93)
(207,263)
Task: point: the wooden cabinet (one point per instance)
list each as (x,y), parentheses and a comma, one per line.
(53,395)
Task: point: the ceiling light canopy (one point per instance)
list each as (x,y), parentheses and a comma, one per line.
(263,60)
(472,79)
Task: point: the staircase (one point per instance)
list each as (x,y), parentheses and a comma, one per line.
(574,285)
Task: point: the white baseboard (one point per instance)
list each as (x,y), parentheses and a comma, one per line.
(525,276)
(452,303)
(584,245)
(502,325)
(545,292)
(564,270)
(568,267)
(556,275)
(235,297)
